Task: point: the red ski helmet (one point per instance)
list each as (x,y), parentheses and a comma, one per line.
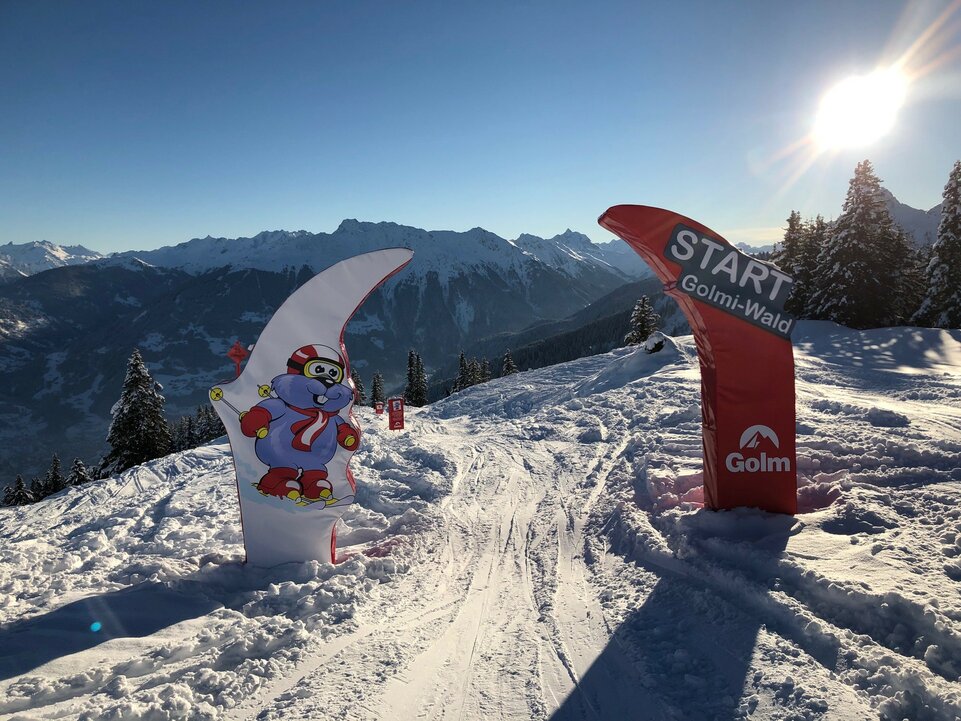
(317,361)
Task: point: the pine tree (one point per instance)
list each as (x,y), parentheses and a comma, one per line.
(19,495)
(191,439)
(420,382)
(790,257)
(813,239)
(181,434)
(910,280)
(858,269)
(78,474)
(462,380)
(415,394)
(207,425)
(485,371)
(377,390)
(38,489)
(473,372)
(360,393)
(55,481)
(644,321)
(173,428)
(217,427)
(507,366)
(138,432)
(942,302)
(201,426)
(410,391)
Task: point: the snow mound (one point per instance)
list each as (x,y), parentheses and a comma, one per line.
(633,364)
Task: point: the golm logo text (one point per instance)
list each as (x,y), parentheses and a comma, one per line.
(751,439)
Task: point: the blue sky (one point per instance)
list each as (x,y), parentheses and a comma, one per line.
(139,124)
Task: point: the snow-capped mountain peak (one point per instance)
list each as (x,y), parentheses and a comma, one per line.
(18,259)
(445,254)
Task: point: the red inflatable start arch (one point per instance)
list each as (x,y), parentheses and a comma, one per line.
(735,306)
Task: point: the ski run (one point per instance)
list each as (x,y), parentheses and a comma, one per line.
(531,548)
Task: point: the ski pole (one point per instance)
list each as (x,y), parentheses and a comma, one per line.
(265,391)
(217,394)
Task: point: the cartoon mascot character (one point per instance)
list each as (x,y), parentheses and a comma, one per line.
(298,427)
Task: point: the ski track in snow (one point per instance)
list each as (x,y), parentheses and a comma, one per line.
(530,548)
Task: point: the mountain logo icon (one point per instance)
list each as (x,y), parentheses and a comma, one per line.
(752,437)
(760,440)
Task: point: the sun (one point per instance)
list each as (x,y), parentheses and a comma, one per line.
(860,110)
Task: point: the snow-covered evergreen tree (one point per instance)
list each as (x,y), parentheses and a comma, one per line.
(138,432)
(941,306)
(857,278)
(473,372)
(507,366)
(911,279)
(55,481)
(377,389)
(191,432)
(415,394)
(78,474)
(797,256)
(19,494)
(485,372)
(462,380)
(813,239)
(207,424)
(359,389)
(644,321)
(410,394)
(178,435)
(38,488)
(420,381)
(786,252)
(184,435)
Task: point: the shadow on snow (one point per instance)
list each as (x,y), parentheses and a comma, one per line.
(686,652)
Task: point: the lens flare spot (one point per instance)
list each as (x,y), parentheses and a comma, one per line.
(860,110)
(96,626)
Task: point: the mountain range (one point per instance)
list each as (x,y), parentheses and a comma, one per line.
(23,259)
(69,316)
(66,333)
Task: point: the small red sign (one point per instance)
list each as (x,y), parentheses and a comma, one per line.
(395,413)
(379,407)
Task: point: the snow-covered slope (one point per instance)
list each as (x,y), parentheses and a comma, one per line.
(21,259)
(530,548)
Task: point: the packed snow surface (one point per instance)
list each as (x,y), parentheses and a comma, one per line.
(530,548)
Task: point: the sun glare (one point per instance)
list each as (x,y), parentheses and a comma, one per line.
(860,110)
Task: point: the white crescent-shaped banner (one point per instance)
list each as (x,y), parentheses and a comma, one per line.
(288,415)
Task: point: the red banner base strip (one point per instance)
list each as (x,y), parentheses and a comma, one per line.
(746,356)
